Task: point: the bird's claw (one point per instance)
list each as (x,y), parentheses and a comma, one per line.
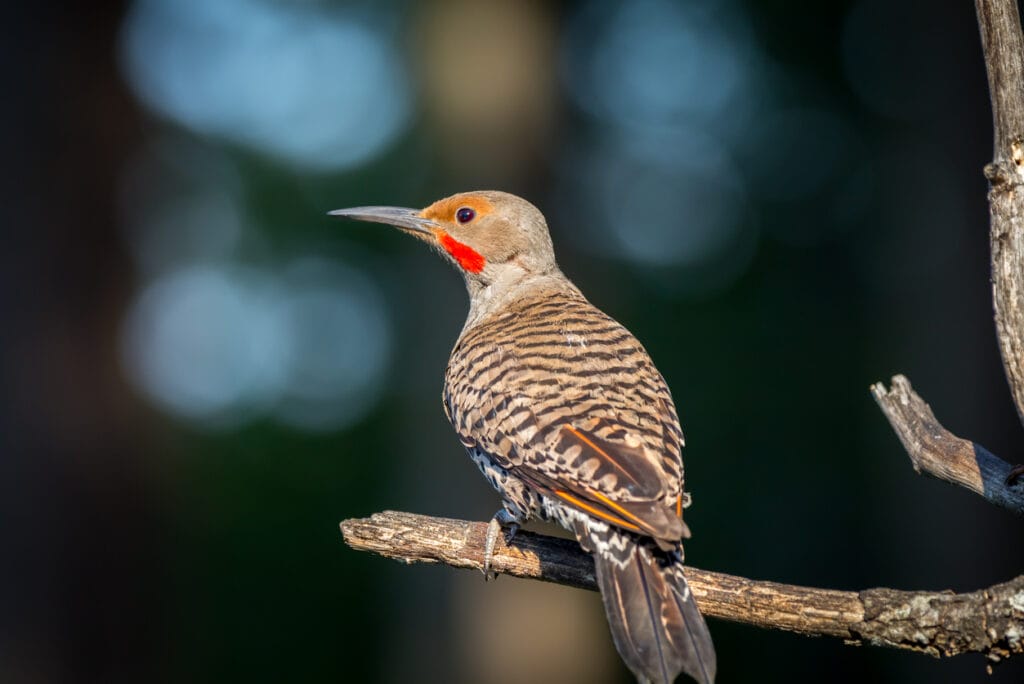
(501,519)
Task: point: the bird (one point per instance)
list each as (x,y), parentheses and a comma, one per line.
(565,414)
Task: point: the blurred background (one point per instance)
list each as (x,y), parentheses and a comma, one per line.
(203,374)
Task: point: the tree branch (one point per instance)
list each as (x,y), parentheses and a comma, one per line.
(1003,45)
(990,621)
(936,451)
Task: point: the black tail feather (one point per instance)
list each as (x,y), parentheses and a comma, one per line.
(654,620)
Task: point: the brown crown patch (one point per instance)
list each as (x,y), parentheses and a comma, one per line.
(443,211)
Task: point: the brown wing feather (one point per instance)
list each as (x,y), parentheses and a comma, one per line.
(633,471)
(636,474)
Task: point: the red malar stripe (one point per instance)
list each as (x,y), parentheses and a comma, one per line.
(468,258)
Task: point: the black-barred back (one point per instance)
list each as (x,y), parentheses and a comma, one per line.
(555,386)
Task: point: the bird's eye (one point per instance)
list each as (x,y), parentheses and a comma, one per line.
(465,215)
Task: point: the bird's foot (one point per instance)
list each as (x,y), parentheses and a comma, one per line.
(1015,474)
(501,520)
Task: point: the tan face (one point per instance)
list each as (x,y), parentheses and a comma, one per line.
(471,231)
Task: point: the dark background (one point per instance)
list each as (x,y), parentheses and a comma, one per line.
(202,374)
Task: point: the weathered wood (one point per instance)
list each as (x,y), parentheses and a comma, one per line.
(936,451)
(990,621)
(1003,45)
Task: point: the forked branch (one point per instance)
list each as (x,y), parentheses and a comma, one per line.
(989,621)
(932,448)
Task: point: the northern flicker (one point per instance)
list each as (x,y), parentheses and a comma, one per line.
(563,411)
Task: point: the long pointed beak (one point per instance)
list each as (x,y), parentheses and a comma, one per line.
(400,217)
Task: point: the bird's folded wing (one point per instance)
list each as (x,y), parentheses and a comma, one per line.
(612,481)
